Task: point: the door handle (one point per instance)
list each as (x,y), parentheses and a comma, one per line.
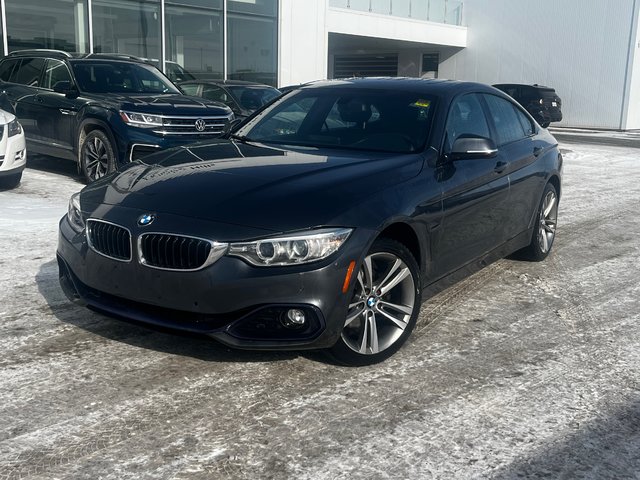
(500,167)
(39,99)
(537,151)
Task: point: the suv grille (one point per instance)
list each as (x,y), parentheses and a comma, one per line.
(189,125)
(177,252)
(109,240)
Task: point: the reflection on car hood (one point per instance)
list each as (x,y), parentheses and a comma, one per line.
(164,104)
(253,185)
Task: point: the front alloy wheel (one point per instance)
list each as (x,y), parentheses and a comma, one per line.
(384,306)
(97,157)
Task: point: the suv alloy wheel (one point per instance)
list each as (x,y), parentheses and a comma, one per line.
(97,156)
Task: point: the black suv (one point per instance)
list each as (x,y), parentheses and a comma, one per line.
(102,110)
(541,102)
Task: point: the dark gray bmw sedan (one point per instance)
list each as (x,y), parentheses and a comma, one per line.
(322,221)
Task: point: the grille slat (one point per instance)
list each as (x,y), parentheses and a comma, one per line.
(109,240)
(174,252)
(187,125)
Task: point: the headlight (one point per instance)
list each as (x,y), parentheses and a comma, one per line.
(15,128)
(291,250)
(74,215)
(143,120)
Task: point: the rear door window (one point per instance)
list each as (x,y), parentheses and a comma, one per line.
(190,89)
(217,94)
(29,72)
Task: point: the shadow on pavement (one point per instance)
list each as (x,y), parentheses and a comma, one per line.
(605,448)
(143,335)
(54,165)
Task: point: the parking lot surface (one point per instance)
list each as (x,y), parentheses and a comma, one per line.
(525,370)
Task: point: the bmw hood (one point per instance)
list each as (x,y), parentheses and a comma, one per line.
(253,185)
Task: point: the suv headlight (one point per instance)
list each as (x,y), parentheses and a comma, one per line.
(143,120)
(14,128)
(74,215)
(291,250)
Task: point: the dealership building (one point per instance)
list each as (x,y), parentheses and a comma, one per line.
(588,50)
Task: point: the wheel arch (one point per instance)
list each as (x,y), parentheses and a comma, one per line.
(404,233)
(90,124)
(555,181)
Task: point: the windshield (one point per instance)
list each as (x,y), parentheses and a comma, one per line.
(120,77)
(380,120)
(252,98)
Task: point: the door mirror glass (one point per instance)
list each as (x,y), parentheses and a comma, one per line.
(62,86)
(468,147)
(66,88)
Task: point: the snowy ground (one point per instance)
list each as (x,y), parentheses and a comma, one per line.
(522,370)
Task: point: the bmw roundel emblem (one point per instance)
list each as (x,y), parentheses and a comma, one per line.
(146,219)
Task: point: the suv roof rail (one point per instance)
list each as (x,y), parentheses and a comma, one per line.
(122,56)
(40,52)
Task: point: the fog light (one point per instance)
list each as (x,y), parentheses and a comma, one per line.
(294,318)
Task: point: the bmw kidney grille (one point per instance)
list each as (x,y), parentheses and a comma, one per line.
(109,240)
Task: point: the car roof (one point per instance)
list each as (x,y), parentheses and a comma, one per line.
(427,86)
(535,85)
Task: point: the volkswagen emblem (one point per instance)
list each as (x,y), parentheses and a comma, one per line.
(146,219)
(201,125)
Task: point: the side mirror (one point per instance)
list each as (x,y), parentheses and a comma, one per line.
(469,147)
(65,88)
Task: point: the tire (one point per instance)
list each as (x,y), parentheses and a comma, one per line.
(544,232)
(97,156)
(387,264)
(545,124)
(10,181)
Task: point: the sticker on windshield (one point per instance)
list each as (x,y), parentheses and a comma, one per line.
(421,103)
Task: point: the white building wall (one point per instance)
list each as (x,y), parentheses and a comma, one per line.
(303,41)
(365,24)
(580,47)
(632,118)
(304,28)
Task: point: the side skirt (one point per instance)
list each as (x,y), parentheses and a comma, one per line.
(504,250)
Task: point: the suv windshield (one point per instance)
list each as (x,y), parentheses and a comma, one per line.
(360,119)
(120,77)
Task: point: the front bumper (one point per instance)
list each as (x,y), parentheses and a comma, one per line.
(238,304)
(13,154)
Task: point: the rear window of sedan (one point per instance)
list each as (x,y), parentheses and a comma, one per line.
(378,120)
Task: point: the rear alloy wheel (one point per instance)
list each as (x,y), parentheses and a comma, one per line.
(384,307)
(97,156)
(10,181)
(545,231)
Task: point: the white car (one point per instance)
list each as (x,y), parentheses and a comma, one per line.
(13,151)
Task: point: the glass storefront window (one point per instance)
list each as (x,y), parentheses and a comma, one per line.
(195,33)
(127,26)
(252,48)
(194,39)
(57,24)
(259,7)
